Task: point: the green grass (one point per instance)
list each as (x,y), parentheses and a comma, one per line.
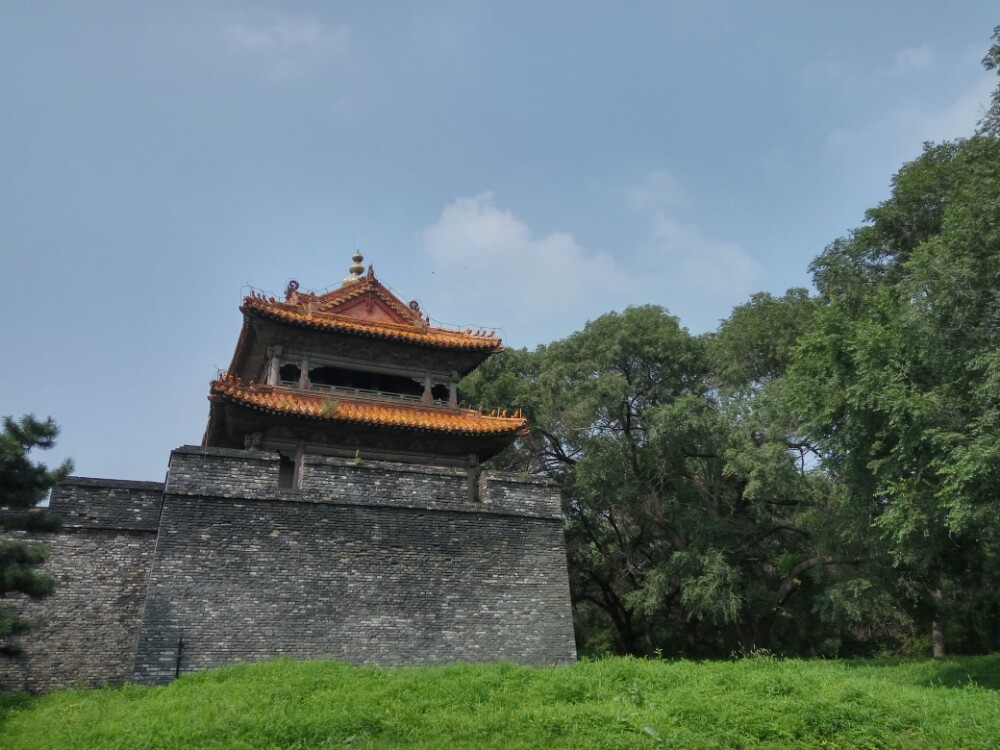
(611,703)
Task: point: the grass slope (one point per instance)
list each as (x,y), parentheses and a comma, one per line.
(611,703)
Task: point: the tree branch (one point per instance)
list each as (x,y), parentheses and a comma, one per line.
(791,583)
(758,538)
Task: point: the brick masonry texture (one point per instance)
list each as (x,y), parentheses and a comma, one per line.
(100,561)
(107,504)
(367,562)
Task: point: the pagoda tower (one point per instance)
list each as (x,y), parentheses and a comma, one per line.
(353,372)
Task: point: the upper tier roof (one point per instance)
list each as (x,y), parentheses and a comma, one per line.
(364,307)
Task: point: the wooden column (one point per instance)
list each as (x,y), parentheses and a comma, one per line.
(304,374)
(274,371)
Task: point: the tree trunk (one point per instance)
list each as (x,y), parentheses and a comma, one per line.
(937,629)
(762,633)
(937,638)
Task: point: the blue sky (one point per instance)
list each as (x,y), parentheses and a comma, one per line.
(524,166)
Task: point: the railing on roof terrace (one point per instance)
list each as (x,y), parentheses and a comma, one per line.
(368,394)
(361,393)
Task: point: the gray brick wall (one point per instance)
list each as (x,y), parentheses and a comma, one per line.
(369,562)
(91,622)
(222,472)
(100,560)
(82,502)
(506,493)
(384,483)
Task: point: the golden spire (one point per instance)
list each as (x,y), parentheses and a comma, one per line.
(357,268)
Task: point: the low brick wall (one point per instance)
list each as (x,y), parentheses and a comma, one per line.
(100,561)
(362,584)
(223,472)
(82,502)
(368,562)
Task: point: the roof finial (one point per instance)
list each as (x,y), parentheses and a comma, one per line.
(357,268)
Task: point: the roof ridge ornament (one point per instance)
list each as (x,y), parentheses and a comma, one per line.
(357,268)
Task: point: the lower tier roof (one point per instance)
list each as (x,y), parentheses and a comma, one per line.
(239,408)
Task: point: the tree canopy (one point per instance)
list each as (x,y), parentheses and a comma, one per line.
(818,475)
(990,123)
(692,517)
(898,381)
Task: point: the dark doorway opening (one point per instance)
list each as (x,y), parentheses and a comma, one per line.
(286,472)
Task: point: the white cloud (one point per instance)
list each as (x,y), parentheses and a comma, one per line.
(283,47)
(542,287)
(700,278)
(924,94)
(539,287)
(956,119)
(701,265)
(897,135)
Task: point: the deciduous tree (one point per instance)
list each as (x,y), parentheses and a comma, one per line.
(693,525)
(899,382)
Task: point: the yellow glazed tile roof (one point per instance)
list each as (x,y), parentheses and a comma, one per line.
(281,400)
(400,331)
(332,311)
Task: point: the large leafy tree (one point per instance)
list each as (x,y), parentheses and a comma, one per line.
(23,483)
(820,470)
(693,524)
(899,383)
(990,123)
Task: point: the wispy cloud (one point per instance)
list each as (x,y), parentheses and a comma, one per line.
(850,77)
(539,287)
(899,131)
(700,277)
(545,286)
(958,118)
(283,47)
(700,265)
(879,116)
